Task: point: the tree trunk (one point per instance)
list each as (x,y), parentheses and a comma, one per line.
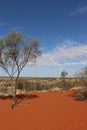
(14,103)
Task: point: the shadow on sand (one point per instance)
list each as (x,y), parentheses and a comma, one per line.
(20,97)
(23,97)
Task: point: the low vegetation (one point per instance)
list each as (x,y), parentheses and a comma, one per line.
(81,95)
(39,84)
(63,83)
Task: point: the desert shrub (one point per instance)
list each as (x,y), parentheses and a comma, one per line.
(20,84)
(3,89)
(84,82)
(82,77)
(8,84)
(69,85)
(64,85)
(39,87)
(48,87)
(36,86)
(29,86)
(76,83)
(33,86)
(81,95)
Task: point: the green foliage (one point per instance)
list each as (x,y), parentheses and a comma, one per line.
(15,53)
(64,74)
(63,79)
(64,85)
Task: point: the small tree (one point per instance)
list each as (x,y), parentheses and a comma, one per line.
(83,76)
(64,74)
(63,77)
(15,53)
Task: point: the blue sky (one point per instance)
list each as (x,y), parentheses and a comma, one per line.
(60,26)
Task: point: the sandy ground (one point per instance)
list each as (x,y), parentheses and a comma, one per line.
(44,111)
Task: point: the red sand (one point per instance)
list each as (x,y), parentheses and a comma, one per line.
(44,111)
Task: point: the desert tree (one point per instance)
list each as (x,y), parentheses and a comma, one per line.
(64,74)
(82,77)
(63,77)
(15,53)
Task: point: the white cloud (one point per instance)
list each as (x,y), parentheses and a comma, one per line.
(79,10)
(73,63)
(71,53)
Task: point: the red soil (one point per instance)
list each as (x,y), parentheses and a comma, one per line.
(44,111)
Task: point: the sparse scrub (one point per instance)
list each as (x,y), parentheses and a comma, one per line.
(21,84)
(81,95)
(82,77)
(66,85)
(76,83)
(3,90)
(33,86)
(38,84)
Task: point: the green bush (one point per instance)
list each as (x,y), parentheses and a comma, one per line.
(66,85)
